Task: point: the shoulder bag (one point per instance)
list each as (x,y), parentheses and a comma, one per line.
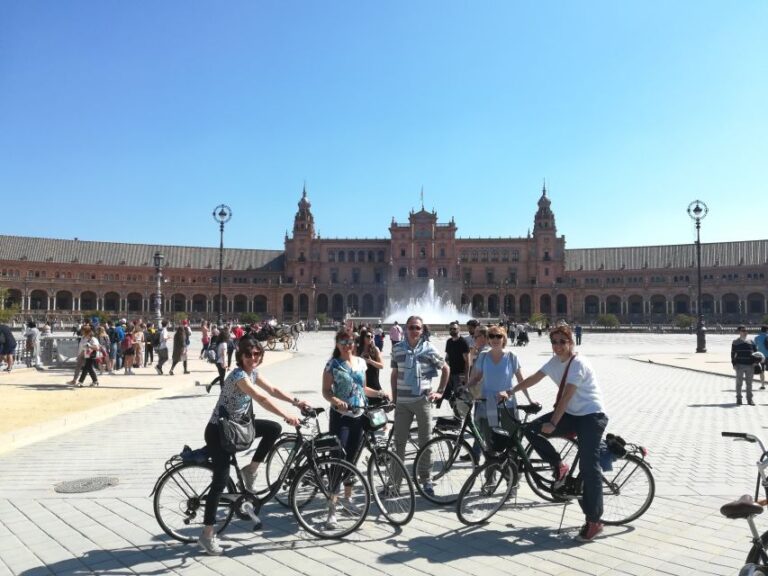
(236,435)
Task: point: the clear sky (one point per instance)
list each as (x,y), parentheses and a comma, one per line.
(130,121)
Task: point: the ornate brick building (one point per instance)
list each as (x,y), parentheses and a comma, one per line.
(516,276)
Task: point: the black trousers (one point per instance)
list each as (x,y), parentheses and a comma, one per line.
(88,369)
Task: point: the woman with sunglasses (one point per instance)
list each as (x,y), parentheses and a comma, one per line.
(238,391)
(578,409)
(369,352)
(344,386)
(494,372)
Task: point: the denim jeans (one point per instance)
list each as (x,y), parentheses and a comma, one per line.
(405,412)
(589,431)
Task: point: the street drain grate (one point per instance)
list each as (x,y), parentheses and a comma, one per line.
(86,484)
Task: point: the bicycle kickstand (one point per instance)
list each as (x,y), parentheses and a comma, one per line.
(562,516)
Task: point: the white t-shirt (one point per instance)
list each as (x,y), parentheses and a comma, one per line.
(588,399)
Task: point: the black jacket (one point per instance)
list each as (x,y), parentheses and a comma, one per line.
(741,352)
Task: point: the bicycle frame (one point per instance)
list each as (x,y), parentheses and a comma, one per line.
(762,479)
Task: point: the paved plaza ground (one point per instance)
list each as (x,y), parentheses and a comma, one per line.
(657,392)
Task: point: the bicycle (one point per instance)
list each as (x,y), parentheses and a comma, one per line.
(627,492)
(388,479)
(180,492)
(747,508)
(444,464)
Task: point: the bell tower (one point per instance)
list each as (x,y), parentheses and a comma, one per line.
(304,222)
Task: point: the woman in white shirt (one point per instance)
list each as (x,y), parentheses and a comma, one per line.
(579,410)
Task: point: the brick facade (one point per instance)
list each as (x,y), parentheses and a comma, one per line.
(516,276)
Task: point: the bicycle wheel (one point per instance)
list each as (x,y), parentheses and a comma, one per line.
(276,460)
(391,487)
(180,498)
(318,498)
(628,490)
(441,467)
(486,491)
(540,474)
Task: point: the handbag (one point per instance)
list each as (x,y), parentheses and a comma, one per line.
(236,435)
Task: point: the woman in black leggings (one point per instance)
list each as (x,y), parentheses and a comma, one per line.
(238,391)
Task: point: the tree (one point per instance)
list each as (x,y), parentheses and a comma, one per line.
(684,321)
(608,320)
(537,319)
(8,312)
(322,318)
(250,317)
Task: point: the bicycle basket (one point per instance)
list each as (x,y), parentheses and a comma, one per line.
(500,439)
(375,419)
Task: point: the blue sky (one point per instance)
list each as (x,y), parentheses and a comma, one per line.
(131,121)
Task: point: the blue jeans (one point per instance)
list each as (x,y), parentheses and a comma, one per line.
(349,430)
(589,431)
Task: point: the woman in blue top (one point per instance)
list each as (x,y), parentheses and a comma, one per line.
(494,372)
(344,386)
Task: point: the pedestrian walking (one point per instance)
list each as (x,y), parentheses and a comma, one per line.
(88,348)
(179,349)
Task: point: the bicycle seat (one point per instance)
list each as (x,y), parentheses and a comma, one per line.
(529,408)
(744,507)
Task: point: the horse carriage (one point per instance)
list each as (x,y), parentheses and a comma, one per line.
(285,334)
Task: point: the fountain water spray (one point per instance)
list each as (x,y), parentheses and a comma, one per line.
(432,308)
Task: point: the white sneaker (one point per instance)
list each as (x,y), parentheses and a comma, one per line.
(210,545)
(349,507)
(249,479)
(331,523)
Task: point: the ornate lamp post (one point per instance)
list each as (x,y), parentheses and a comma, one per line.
(222,214)
(158,259)
(697,210)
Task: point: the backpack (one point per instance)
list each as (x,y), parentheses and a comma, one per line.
(155,339)
(113,339)
(211,355)
(127,342)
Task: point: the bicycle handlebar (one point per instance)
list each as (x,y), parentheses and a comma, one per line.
(746,437)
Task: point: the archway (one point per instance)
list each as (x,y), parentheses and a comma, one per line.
(260,304)
(591,305)
(545,304)
(322,304)
(562,304)
(38,300)
(240,303)
(368,305)
(134,302)
(198,303)
(87,300)
(63,300)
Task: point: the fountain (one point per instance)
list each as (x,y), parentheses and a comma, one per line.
(432,308)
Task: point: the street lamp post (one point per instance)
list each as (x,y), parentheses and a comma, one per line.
(222,214)
(697,210)
(158,258)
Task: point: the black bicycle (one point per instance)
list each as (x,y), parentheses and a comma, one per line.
(628,485)
(181,490)
(390,485)
(747,508)
(443,465)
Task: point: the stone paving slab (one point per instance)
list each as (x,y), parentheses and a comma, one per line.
(677,414)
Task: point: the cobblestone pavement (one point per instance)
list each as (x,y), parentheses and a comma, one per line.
(677,414)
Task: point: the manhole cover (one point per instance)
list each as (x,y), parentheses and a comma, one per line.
(86,484)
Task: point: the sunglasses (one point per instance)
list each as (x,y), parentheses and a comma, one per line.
(495,336)
(252,354)
(562,342)
(415,328)
(367,336)
(345,342)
